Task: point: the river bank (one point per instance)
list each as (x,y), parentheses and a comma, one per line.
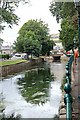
(53,66)
(18,67)
(36,87)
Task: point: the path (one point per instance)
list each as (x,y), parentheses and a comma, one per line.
(76,90)
(75,85)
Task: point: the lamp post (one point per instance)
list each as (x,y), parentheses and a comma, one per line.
(77,6)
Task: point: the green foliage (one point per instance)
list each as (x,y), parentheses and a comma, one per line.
(62,9)
(38,27)
(67,33)
(31,37)
(7,14)
(55,9)
(4,56)
(65,11)
(47,46)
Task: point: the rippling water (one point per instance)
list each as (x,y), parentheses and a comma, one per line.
(34,93)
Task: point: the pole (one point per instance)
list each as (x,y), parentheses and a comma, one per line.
(79,33)
(68,109)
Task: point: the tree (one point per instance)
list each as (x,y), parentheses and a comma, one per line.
(7,15)
(62,9)
(31,44)
(47,46)
(31,37)
(65,11)
(55,9)
(67,33)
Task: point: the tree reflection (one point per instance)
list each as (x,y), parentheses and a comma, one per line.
(35,85)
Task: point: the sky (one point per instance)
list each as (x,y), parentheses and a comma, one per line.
(36,9)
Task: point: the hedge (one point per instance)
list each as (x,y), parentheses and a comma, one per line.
(5,56)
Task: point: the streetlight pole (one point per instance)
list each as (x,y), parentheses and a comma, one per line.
(77,6)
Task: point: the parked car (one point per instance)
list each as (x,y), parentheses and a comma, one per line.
(68,53)
(24,56)
(16,56)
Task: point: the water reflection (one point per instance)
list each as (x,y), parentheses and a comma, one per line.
(34,86)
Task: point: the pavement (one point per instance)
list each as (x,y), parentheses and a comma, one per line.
(76,90)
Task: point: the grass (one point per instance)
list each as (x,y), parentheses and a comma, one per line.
(10,62)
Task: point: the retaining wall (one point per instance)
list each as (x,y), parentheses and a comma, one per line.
(15,68)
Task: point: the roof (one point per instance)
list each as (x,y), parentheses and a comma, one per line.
(6,47)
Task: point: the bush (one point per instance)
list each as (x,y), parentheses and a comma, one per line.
(4,56)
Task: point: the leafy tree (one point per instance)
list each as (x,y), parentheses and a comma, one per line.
(55,9)
(7,14)
(31,37)
(62,9)
(31,44)
(46,47)
(65,11)
(67,33)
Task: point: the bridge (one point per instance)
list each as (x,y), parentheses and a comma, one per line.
(56,54)
(70,103)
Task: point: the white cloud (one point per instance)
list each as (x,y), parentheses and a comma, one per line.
(37,9)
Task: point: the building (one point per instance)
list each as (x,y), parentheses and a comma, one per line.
(6,49)
(58,43)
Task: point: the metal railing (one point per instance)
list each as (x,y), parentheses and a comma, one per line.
(67,88)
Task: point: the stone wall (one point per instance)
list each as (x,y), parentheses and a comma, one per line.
(15,68)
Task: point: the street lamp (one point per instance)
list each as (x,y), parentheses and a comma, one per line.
(77,6)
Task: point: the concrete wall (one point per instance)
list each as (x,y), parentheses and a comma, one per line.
(11,69)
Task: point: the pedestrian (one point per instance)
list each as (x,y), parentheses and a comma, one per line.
(75,55)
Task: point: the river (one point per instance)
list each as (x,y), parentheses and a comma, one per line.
(33,93)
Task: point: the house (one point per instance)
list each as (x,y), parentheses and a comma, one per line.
(6,49)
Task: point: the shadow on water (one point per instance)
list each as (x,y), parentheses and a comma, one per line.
(34,86)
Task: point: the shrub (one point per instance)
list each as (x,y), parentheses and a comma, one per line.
(4,56)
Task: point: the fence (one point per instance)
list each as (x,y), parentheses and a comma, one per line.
(67,88)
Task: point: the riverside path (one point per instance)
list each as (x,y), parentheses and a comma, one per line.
(76,90)
(75,93)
